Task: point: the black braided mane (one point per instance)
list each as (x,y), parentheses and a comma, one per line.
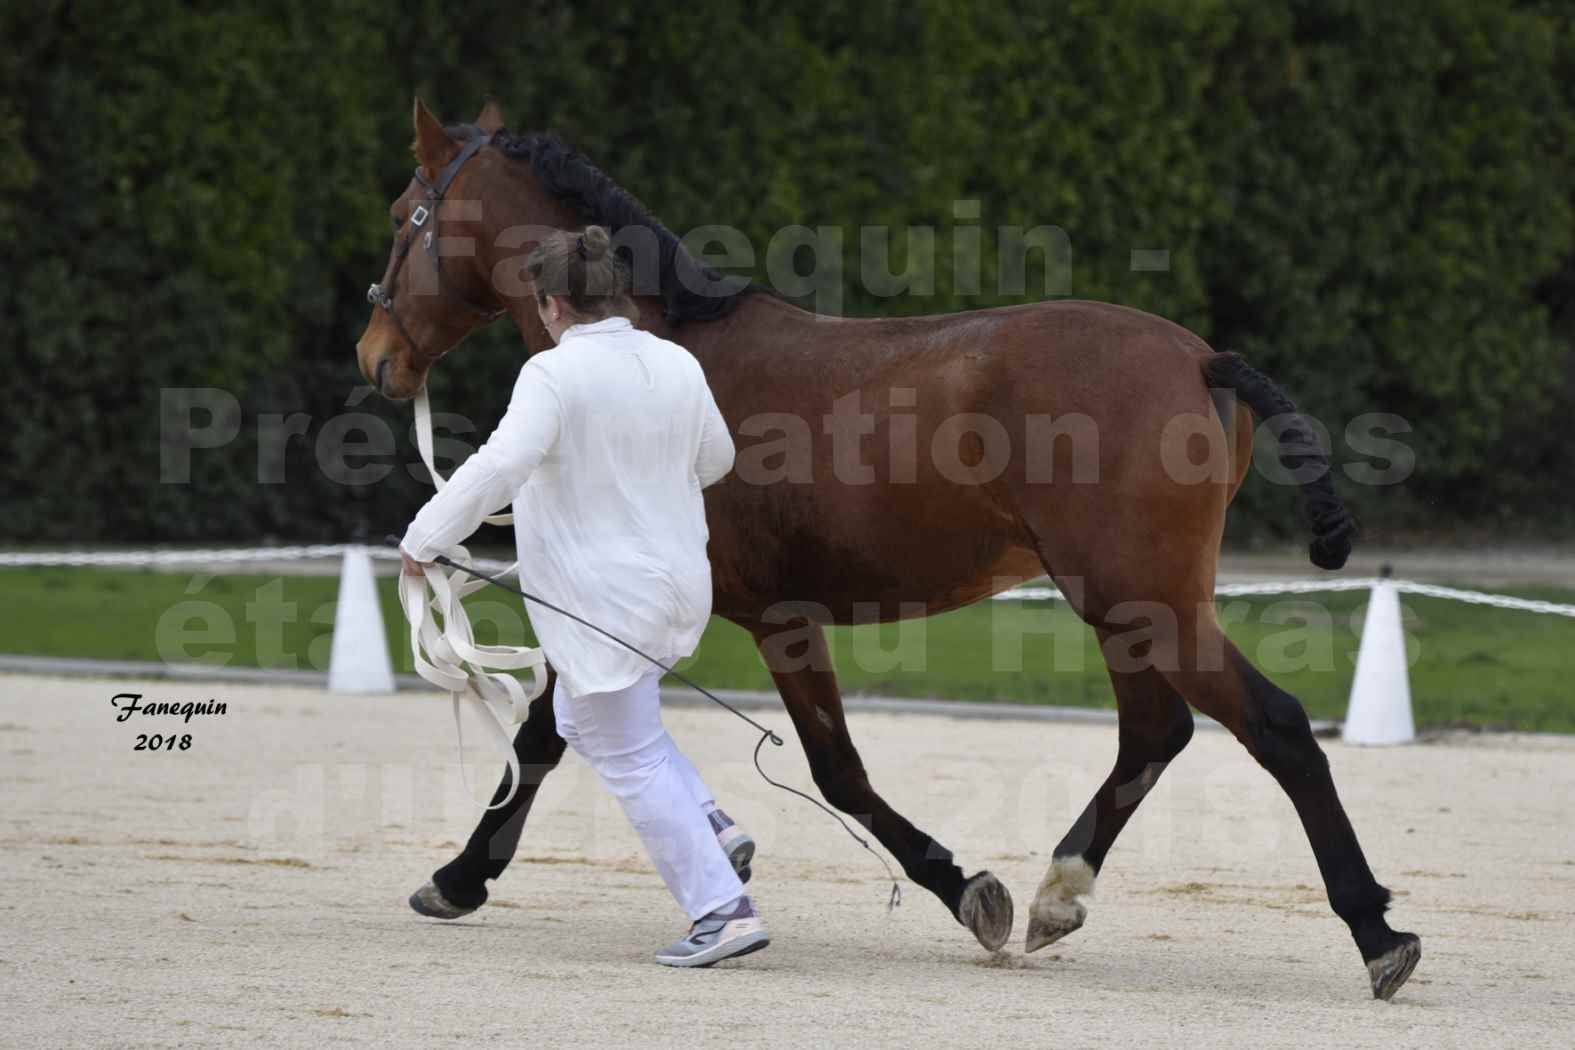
(690,290)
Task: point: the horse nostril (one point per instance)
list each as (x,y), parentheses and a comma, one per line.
(381,365)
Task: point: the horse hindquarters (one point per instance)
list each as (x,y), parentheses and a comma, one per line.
(1135,551)
(1170,647)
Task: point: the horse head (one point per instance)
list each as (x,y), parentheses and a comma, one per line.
(440,283)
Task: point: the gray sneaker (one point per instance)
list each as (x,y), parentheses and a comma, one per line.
(726,933)
(735,841)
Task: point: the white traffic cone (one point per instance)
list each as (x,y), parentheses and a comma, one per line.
(1380,708)
(359,660)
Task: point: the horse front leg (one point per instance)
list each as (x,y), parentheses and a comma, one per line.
(460,886)
(1155,725)
(799,661)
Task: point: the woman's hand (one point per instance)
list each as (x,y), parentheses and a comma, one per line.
(411,566)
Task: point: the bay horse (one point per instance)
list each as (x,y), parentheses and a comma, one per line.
(1130,544)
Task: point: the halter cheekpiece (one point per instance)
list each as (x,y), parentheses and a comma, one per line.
(381,293)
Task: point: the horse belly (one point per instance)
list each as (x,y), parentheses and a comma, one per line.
(876,561)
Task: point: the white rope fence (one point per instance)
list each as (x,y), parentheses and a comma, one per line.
(1502,601)
(1361,583)
(183,557)
(1379,711)
(215,556)
(231,555)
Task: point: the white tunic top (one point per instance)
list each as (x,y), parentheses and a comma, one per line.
(606,444)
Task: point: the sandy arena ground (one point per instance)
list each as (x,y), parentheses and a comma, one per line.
(251,891)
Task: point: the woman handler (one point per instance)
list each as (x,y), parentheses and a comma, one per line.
(606,444)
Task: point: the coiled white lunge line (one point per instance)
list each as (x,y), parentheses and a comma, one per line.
(447,654)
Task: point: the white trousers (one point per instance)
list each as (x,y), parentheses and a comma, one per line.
(620,735)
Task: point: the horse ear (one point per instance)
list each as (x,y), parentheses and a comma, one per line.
(432,147)
(491,118)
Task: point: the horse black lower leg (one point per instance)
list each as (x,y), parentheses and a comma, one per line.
(1274,728)
(801,665)
(463,880)
(1155,725)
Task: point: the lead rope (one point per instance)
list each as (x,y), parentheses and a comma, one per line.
(451,647)
(450,658)
(423,409)
(896,887)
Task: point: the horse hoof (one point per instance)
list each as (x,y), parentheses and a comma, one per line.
(429,901)
(1042,933)
(1057,911)
(1391,970)
(986,908)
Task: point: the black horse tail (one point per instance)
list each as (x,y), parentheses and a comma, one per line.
(1333,526)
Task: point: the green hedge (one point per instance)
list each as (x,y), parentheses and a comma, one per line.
(1371,200)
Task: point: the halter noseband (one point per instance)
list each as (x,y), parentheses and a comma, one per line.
(381,293)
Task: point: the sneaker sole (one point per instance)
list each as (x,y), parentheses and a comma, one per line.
(736,948)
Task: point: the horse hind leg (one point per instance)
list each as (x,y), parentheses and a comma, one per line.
(800,663)
(1155,725)
(1274,728)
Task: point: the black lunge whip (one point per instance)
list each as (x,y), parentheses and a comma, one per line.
(765,734)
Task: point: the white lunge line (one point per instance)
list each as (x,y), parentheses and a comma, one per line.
(449,657)
(423,409)
(452,659)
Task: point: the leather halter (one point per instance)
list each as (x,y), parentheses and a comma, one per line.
(381,293)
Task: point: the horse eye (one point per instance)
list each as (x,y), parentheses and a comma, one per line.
(398,222)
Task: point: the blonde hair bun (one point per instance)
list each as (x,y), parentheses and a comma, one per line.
(597,241)
(582,268)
